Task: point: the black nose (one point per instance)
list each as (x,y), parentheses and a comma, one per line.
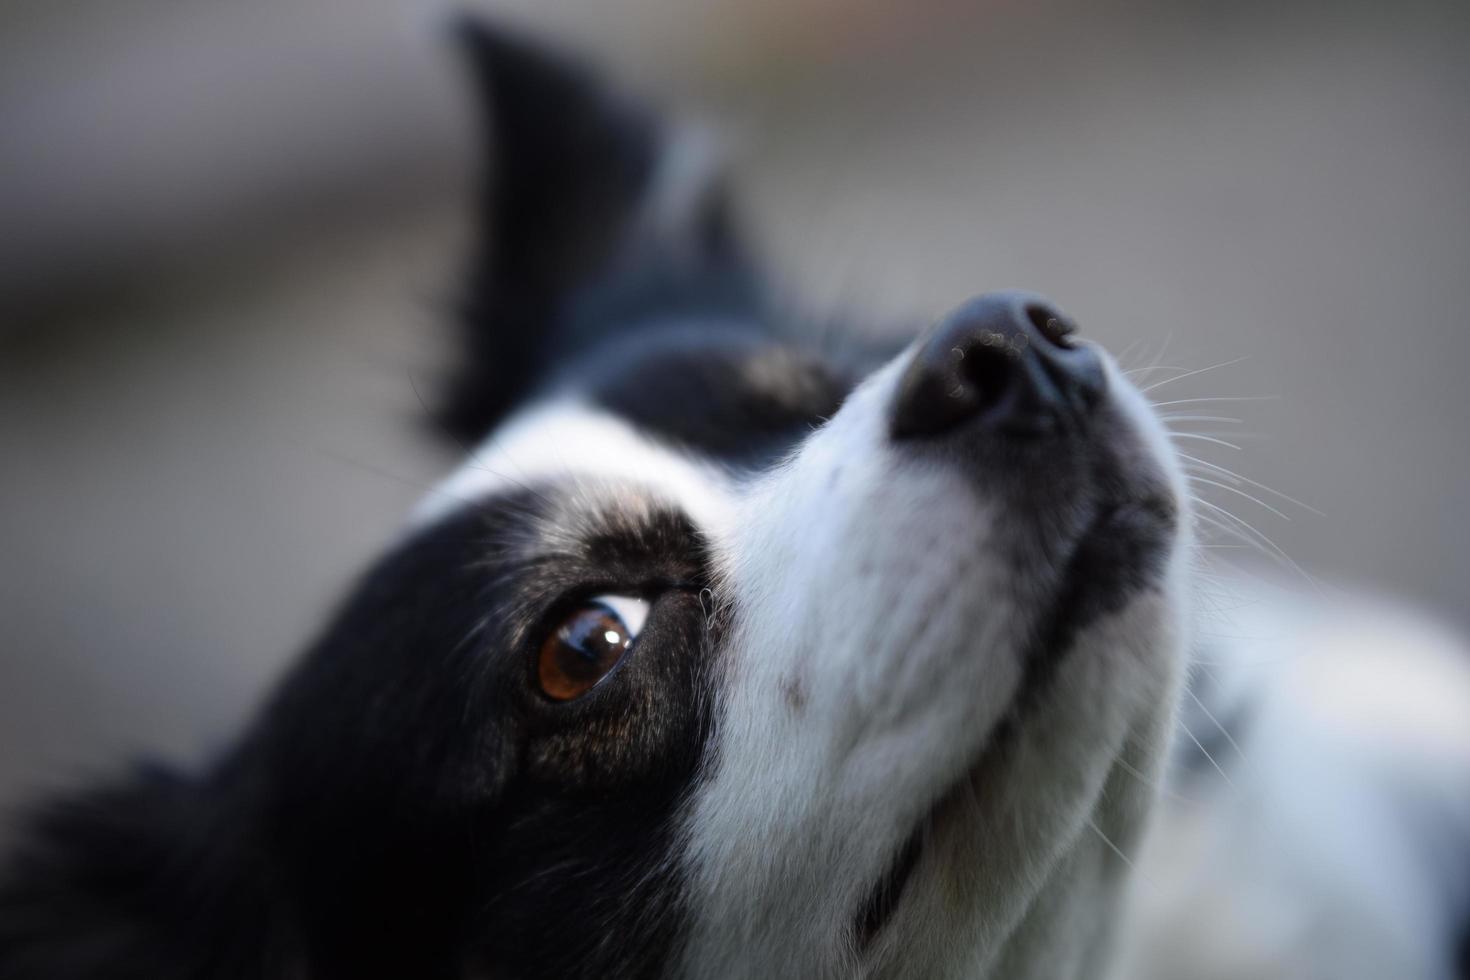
(1004,361)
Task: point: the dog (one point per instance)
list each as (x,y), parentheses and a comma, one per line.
(727,653)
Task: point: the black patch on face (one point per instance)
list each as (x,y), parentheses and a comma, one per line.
(428,800)
(1119,556)
(720,390)
(878,907)
(410,803)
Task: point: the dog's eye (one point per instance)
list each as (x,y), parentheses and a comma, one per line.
(587,644)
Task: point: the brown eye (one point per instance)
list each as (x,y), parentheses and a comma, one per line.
(588,643)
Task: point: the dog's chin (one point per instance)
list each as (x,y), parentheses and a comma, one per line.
(1134,535)
(1086,558)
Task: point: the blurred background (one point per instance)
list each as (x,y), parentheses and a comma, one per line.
(228,233)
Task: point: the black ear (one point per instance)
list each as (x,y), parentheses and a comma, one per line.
(137,879)
(592,216)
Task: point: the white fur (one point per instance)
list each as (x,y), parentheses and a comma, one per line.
(877,644)
(874,648)
(566,437)
(1340,847)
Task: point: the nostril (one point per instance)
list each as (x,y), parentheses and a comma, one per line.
(984,365)
(1051,324)
(1004,360)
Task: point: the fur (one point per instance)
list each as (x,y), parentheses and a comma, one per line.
(898,708)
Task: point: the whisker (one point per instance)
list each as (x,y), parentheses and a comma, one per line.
(1156,785)
(1218,398)
(1216,722)
(1246,532)
(1204,438)
(1199,418)
(1129,862)
(1238,529)
(1206,753)
(1197,371)
(1152,367)
(1230,474)
(1196,478)
(1122,355)
(1154,364)
(1236,434)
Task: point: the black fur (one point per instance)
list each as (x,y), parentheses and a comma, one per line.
(562,263)
(408,804)
(723,390)
(157,876)
(395,809)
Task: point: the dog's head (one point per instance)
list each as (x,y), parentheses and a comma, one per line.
(723,655)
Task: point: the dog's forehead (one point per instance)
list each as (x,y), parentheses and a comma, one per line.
(572,441)
(685,409)
(718,387)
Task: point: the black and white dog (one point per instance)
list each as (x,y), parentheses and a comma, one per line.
(726,656)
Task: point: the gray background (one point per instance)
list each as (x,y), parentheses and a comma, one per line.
(227,232)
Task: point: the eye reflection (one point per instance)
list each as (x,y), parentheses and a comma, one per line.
(587,644)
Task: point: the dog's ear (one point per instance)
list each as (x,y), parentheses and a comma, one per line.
(594,212)
(100,883)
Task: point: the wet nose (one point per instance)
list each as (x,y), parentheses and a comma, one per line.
(1005,362)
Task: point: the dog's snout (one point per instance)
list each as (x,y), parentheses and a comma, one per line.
(1004,361)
